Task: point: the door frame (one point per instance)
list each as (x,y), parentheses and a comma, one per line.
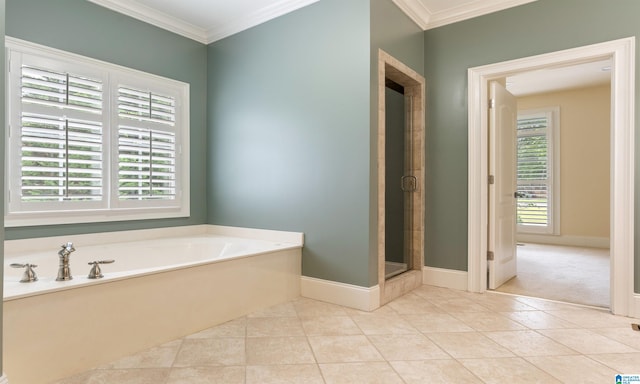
(622,54)
(415,87)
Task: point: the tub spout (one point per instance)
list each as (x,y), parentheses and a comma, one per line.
(64,272)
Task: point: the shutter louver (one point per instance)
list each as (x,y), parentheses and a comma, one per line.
(61,159)
(147,156)
(45,87)
(147,164)
(146,106)
(533,172)
(61,156)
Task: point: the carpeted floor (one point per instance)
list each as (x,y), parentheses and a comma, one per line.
(569,274)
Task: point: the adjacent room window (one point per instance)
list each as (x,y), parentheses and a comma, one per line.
(91,141)
(537,168)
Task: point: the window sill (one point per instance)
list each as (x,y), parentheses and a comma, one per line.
(90,216)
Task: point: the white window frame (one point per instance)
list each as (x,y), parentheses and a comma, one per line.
(552,114)
(111,208)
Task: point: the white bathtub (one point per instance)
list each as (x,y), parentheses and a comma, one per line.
(164,284)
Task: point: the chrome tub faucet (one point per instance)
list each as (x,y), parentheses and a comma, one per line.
(64,273)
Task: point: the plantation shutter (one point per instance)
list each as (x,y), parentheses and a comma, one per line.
(533,171)
(61,136)
(146,145)
(60,89)
(89,141)
(146,106)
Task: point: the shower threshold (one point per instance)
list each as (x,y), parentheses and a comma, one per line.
(392,269)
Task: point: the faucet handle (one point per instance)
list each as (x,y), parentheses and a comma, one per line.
(96,272)
(68,247)
(29,275)
(65,251)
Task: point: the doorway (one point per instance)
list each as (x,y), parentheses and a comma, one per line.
(572,274)
(621,52)
(401,158)
(563,183)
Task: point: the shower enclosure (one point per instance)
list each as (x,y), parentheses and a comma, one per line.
(399,184)
(400,177)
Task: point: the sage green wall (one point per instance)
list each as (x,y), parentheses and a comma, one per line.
(85,28)
(289,134)
(293,133)
(394,32)
(535,28)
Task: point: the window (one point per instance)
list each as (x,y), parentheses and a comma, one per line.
(537,171)
(91,141)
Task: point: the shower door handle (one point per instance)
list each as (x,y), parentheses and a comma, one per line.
(408,183)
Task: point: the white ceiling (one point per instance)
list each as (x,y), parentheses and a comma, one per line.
(207,21)
(210,20)
(560,78)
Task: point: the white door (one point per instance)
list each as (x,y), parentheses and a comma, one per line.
(502,202)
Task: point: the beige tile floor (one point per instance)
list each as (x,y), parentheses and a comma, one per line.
(431,335)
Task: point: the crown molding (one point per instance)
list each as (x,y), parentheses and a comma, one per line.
(416,12)
(469,11)
(154,17)
(426,19)
(202,35)
(260,16)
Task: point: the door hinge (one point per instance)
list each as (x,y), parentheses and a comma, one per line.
(490,255)
(492,103)
(492,179)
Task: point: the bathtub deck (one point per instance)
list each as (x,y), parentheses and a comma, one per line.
(69,331)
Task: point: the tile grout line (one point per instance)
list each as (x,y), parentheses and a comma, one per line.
(401,309)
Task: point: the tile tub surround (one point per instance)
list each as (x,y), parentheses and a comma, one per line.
(71,330)
(431,335)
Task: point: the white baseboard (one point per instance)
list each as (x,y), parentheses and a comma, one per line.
(352,296)
(4,379)
(635,310)
(446,278)
(574,241)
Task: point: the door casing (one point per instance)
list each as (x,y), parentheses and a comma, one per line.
(622,54)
